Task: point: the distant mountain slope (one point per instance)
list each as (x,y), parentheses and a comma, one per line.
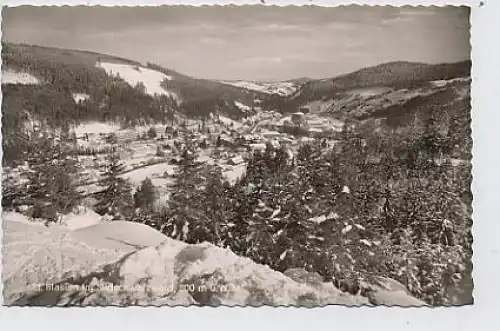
(397,75)
(394,81)
(58,87)
(395,104)
(76,71)
(202,96)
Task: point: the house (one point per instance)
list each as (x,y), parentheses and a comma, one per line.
(298,118)
(275,143)
(271,134)
(316,122)
(242,149)
(315,132)
(289,154)
(261,147)
(169,129)
(236,160)
(336,125)
(285,140)
(305,109)
(287,123)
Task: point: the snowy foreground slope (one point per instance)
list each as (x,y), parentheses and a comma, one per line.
(124,263)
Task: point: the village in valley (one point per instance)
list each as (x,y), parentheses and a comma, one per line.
(153,151)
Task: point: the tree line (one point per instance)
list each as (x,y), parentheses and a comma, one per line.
(389,204)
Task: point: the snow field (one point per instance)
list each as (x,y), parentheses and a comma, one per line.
(153,171)
(281,88)
(81,218)
(95,128)
(243,107)
(15,77)
(133,75)
(34,254)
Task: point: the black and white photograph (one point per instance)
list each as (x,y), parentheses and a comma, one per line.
(236,155)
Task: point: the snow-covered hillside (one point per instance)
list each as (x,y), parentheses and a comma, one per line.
(243,107)
(133,75)
(35,254)
(15,77)
(281,88)
(442,83)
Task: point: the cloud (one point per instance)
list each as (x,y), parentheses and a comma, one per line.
(252,42)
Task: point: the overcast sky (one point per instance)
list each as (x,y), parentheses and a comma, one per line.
(251,42)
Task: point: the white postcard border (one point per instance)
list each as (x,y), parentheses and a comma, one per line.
(480,316)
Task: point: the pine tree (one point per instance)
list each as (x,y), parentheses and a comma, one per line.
(39,158)
(145,196)
(218,227)
(434,139)
(281,159)
(53,170)
(11,192)
(184,206)
(116,199)
(151,133)
(65,190)
(159,151)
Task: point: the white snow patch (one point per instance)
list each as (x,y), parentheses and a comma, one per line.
(15,77)
(365,242)
(119,235)
(261,147)
(242,107)
(318,219)
(444,82)
(82,218)
(157,170)
(227,121)
(281,88)
(271,134)
(235,173)
(36,255)
(347,229)
(96,128)
(80,97)
(133,75)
